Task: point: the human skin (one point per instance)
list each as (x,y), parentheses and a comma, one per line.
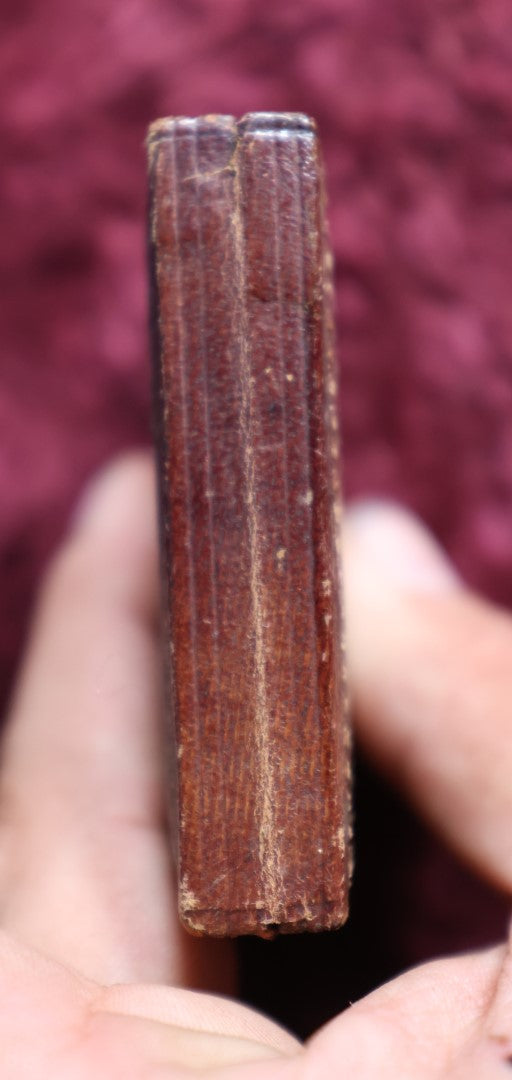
(97,980)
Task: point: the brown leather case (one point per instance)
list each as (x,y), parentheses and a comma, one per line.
(248,456)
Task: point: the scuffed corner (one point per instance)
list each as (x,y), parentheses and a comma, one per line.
(188,904)
(156,131)
(187,899)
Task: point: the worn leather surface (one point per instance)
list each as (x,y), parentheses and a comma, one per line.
(414,104)
(250,504)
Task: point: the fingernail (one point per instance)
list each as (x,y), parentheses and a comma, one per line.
(110,493)
(398,546)
(193,1049)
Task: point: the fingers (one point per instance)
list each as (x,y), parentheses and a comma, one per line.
(86,876)
(55,1023)
(193,1030)
(431,672)
(429,1023)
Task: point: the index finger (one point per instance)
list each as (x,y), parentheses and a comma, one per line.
(86,865)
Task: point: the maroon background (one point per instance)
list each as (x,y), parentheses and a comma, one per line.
(414,105)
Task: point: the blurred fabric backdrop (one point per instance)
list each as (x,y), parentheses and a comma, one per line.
(414,106)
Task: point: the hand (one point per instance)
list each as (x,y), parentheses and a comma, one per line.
(93,964)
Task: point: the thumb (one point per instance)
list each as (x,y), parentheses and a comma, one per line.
(430,666)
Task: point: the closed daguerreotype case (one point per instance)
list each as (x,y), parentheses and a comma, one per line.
(248,454)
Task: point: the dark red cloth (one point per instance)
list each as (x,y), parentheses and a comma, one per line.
(414,105)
